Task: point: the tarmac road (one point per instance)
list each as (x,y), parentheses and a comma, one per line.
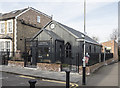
(10,80)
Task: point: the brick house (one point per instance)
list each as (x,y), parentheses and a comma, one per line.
(111,47)
(17,25)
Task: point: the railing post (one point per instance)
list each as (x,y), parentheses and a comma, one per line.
(25,57)
(67,79)
(8,53)
(78,61)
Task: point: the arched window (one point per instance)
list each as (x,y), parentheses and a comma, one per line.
(68,51)
(90,48)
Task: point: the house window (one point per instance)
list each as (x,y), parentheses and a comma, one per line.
(5,45)
(38,19)
(2,46)
(68,51)
(2,28)
(9,27)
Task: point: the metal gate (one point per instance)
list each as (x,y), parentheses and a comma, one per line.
(71,63)
(30,54)
(44,51)
(36,51)
(4,56)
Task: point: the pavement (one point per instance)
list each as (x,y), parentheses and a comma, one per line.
(34,72)
(107,75)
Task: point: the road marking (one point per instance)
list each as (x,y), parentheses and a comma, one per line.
(73,85)
(27,77)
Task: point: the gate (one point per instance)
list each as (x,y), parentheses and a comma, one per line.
(36,51)
(44,51)
(71,64)
(4,56)
(30,54)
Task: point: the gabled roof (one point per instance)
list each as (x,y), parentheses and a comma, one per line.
(15,13)
(77,33)
(12,14)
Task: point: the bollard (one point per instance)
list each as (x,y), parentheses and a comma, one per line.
(67,79)
(84,76)
(32,83)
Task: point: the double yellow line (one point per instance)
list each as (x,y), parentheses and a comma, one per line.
(73,85)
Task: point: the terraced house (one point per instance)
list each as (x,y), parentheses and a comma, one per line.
(17,25)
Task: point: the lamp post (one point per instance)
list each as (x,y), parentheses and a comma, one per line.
(84,64)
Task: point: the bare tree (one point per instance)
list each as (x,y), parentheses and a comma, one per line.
(114,35)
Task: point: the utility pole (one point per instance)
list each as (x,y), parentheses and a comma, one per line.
(84,64)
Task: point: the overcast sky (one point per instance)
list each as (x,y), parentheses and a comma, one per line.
(101,17)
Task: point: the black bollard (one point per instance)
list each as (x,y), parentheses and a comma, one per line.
(32,83)
(84,76)
(67,79)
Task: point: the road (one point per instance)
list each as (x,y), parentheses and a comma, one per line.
(105,76)
(22,81)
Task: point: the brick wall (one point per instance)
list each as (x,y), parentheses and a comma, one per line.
(24,30)
(91,69)
(49,67)
(16,63)
(114,48)
(31,18)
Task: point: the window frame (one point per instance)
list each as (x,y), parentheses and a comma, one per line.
(11,26)
(38,19)
(68,50)
(2,22)
(4,42)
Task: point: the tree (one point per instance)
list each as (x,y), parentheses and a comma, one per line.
(114,35)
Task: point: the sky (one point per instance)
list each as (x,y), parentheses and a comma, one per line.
(101,15)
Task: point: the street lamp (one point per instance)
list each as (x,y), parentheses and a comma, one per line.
(84,64)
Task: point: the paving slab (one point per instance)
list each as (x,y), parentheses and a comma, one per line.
(61,76)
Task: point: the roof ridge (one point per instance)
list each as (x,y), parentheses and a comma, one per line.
(76,31)
(15,10)
(40,12)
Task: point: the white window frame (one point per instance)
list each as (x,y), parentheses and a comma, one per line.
(11,26)
(0,27)
(5,48)
(38,19)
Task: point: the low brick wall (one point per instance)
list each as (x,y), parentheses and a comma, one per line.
(91,69)
(56,67)
(16,63)
(48,67)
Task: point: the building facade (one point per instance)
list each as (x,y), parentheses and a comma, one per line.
(62,43)
(17,25)
(111,47)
